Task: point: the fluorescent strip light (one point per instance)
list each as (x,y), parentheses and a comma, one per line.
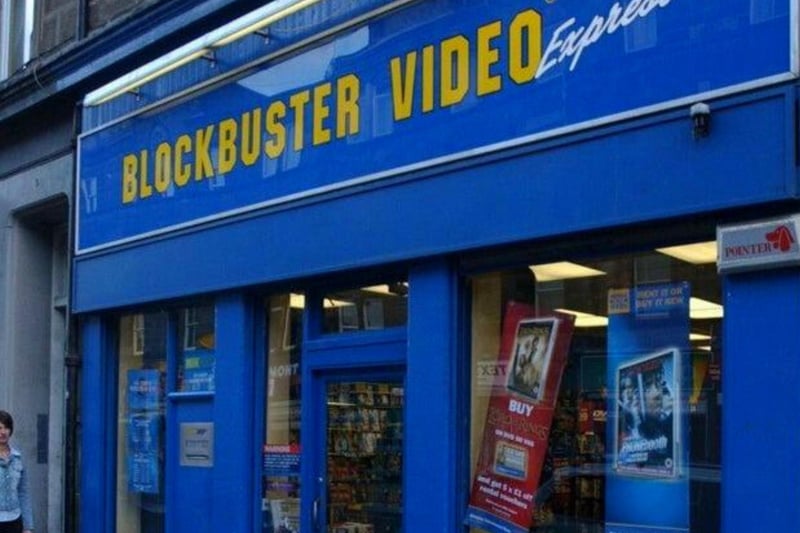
(699,337)
(586,320)
(699,253)
(260,20)
(563,270)
(179,60)
(702,309)
(249,23)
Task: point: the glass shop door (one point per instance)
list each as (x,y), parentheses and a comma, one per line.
(359,473)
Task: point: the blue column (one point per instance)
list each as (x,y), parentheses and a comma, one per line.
(234,438)
(97,428)
(761,405)
(433,454)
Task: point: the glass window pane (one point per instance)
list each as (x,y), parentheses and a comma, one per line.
(365,455)
(280,496)
(596,393)
(372,307)
(197,343)
(140,444)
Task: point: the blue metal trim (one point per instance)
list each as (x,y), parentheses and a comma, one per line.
(189,396)
(171,436)
(260,344)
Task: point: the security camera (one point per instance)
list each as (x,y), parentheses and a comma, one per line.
(701,119)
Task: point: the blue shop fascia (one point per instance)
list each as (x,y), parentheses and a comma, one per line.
(368,266)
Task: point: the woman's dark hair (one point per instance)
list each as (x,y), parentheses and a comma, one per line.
(7,421)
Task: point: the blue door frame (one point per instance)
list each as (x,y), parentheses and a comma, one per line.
(352,357)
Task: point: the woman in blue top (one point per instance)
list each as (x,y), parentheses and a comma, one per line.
(15,502)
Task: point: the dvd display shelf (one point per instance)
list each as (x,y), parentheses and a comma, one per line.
(365,457)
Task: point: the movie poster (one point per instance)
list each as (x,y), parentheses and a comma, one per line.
(647,429)
(519,415)
(647,484)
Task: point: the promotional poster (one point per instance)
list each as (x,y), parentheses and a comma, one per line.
(144,390)
(647,431)
(142,456)
(143,396)
(647,486)
(518,420)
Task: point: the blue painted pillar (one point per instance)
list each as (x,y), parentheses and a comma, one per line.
(761,402)
(432,389)
(97,428)
(234,411)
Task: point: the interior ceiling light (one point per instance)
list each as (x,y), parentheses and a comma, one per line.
(699,337)
(563,270)
(298,301)
(586,320)
(699,253)
(391,290)
(703,309)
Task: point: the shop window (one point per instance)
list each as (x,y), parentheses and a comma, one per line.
(366,308)
(16,35)
(280,493)
(197,360)
(56,24)
(596,394)
(140,443)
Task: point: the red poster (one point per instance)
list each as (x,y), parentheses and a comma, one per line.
(518,420)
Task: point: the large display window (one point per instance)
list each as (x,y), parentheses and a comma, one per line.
(280,478)
(596,395)
(145,362)
(141,422)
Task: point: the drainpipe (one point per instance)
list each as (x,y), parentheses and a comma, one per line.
(72,360)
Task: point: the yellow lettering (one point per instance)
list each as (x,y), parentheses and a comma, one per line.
(182,171)
(145,189)
(129,166)
(321,134)
(274,146)
(347,110)
(428,74)
(487,56)
(403,85)
(203,168)
(251,136)
(526,28)
(298,102)
(226,151)
(455,70)
(163,170)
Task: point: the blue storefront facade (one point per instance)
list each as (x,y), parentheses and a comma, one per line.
(366,266)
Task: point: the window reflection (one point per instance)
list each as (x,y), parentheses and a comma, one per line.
(634,385)
(197,361)
(280,491)
(141,416)
(366,308)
